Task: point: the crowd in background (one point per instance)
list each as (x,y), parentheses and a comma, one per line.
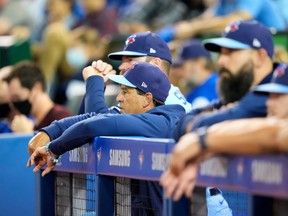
(65,36)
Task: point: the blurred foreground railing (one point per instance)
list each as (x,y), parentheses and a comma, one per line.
(96,179)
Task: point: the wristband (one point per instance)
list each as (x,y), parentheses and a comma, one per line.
(202,132)
(54,160)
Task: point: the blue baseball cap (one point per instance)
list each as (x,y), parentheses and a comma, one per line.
(144,44)
(145,77)
(279,82)
(191,49)
(243,35)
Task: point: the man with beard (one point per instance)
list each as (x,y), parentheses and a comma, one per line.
(245,59)
(249,136)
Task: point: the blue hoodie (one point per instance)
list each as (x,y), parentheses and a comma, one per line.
(72,132)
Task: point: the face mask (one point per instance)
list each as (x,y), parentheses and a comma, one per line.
(76,57)
(4,110)
(23,107)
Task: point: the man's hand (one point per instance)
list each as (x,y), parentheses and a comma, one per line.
(39,140)
(40,158)
(98,68)
(22,124)
(185,150)
(184,183)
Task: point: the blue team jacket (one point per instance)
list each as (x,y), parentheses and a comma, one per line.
(72,132)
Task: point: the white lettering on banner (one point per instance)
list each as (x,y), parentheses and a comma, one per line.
(119,158)
(214,167)
(159,161)
(79,155)
(267,172)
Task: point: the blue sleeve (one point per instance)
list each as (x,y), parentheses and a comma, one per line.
(94,98)
(252,105)
(180,128)
(117,125)
(56,128)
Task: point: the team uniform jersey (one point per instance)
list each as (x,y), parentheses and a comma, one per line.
(176,97)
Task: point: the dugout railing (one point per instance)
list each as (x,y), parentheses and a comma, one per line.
(108,164)
(75,188)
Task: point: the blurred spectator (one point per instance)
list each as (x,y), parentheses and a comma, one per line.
(282,6)
(281,55)
(86,46)
(14,19)
(27,89)
(99,16)
(36,9)
(197,70)
(51,54)
(222,12)
(150,15)
(6,113)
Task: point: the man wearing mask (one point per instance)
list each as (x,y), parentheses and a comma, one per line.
(27,88)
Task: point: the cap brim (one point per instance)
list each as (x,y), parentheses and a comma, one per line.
(215,44)
(271,88)
(119,55)
(120,79)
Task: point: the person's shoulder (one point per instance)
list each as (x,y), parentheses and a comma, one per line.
(60,110)
(176,97)
(172,109)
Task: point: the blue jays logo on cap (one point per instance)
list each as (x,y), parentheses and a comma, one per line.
(144,44)
(130,40)
(243,35)
(279,71)
(232,27)
(279,82)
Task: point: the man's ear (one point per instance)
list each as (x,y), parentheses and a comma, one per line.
(262,56)
(148,100)
(156,61)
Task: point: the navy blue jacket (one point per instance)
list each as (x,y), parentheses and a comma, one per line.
(250,106)
(72,132)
